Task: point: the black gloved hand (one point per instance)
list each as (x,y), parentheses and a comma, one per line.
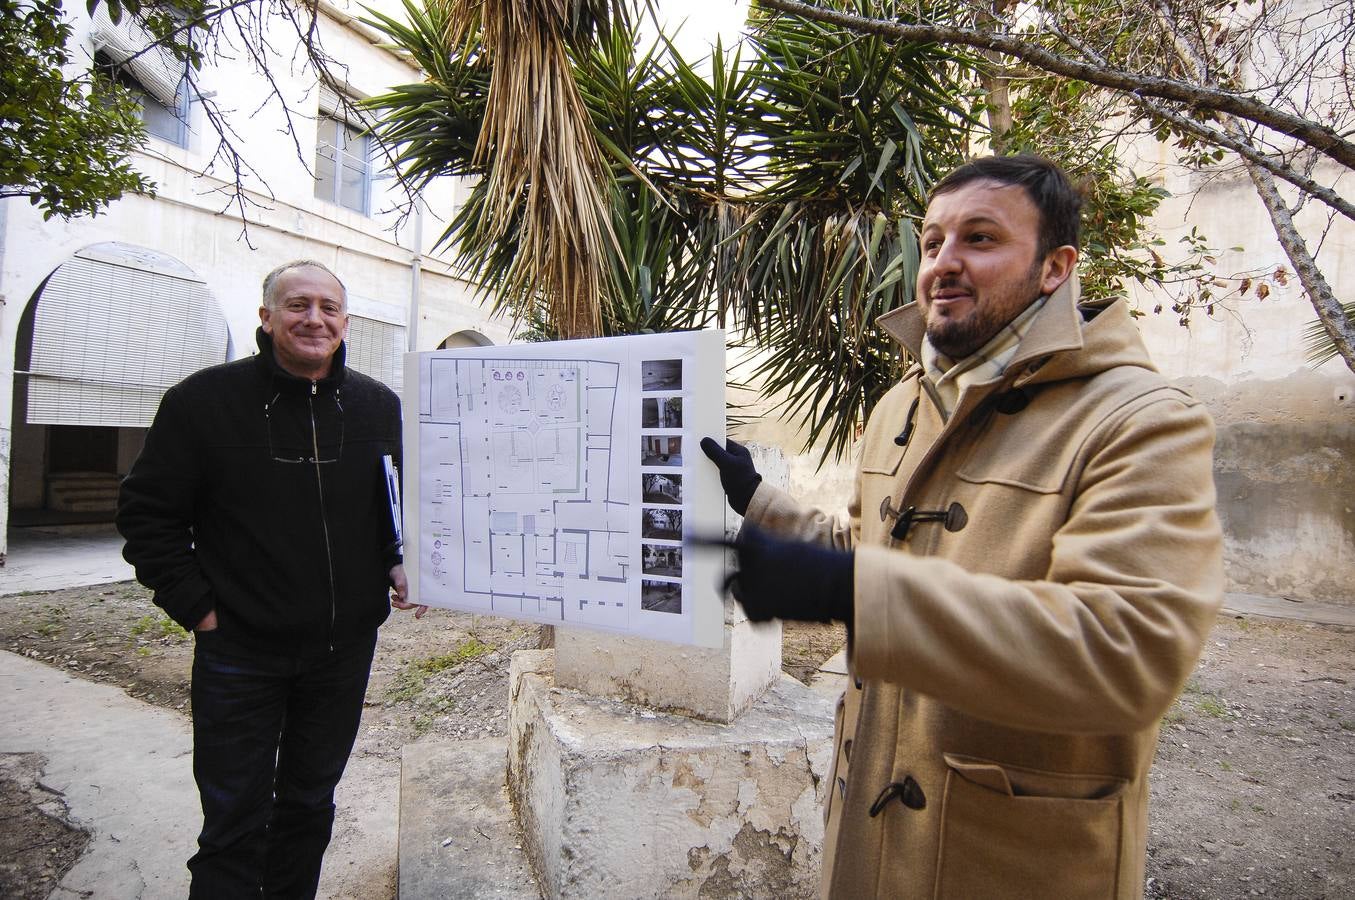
(738,476)
(788,579)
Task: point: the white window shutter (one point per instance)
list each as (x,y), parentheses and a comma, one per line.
(377,349)
(111,333)
(126,43)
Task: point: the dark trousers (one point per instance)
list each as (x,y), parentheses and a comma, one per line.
(271,737)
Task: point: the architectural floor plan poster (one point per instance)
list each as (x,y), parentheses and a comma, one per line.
(554,482)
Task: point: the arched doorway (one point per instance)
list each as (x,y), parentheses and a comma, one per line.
(99,342)
(466,338)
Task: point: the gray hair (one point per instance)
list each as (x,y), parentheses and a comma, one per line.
(270,281)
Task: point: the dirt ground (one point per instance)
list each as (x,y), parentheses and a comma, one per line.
(1253,789)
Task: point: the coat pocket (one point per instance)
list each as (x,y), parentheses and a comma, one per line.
(1009,831)
(881,458)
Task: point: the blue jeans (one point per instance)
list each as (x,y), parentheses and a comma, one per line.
(271,737)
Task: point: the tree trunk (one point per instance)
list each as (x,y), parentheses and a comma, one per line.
(994,80)
(1329,310)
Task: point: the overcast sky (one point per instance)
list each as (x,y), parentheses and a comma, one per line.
(697,23)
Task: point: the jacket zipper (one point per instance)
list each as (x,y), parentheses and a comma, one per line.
(324,516)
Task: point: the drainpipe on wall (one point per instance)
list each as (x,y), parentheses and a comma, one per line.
(6,430)
(415,276)
(4,229)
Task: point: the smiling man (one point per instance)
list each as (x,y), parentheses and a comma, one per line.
(1028,568)
(258,514)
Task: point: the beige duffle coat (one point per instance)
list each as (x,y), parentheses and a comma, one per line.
(1012,660)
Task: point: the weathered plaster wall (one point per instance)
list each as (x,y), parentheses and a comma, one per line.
(1286,430)
(1284,465)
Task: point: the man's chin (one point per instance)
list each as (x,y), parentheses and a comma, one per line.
(952,338)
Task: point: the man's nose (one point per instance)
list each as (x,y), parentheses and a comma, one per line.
(947,260)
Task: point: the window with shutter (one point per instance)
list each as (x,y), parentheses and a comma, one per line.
(113,328)
(377,349)
(130,55)
(343,160)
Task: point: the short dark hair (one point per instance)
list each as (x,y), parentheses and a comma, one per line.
(1059,203)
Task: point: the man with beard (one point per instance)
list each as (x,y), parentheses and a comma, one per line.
(1027,569)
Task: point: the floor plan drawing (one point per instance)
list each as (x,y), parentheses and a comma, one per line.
(531,486)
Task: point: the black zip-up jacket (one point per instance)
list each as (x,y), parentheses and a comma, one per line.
(263,496)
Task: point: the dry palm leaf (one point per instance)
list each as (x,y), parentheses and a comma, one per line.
(546,175)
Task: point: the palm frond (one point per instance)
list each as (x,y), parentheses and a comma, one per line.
(546,175)
(772,187)
(1318,345)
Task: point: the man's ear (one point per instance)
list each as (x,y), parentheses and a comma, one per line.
(1058,265)
(264,319)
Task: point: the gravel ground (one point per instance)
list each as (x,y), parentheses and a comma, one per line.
(1253,789)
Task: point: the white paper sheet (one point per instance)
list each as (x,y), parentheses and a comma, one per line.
(554,482)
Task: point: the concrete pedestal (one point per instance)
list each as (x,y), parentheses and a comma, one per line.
(616,800)
(713,683)
(716,683)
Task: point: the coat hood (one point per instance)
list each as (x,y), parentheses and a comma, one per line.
(1066,340)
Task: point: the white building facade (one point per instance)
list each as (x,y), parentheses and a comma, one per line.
(98,316)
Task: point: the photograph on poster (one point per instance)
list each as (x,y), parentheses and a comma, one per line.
(659,559)
(661,450)
(664,524)
(661,596)
(661,412)
(661,375)
(659,488)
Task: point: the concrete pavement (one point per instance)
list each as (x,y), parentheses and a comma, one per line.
(49,559)
(464,850)
(1285,608)
(124,766)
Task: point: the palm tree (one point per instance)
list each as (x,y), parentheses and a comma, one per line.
(622,190)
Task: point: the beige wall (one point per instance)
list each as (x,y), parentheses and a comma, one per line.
(1286,429)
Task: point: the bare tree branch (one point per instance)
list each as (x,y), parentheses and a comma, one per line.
(1320,137)
(1222,139)
(1329,310)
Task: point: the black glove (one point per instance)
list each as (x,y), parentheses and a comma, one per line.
(788,579)
(738,476)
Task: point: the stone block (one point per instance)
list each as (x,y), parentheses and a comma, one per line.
(616,800)
(714,683)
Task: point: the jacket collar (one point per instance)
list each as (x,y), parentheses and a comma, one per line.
(268,363)
(1056,328)
(1059,345)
